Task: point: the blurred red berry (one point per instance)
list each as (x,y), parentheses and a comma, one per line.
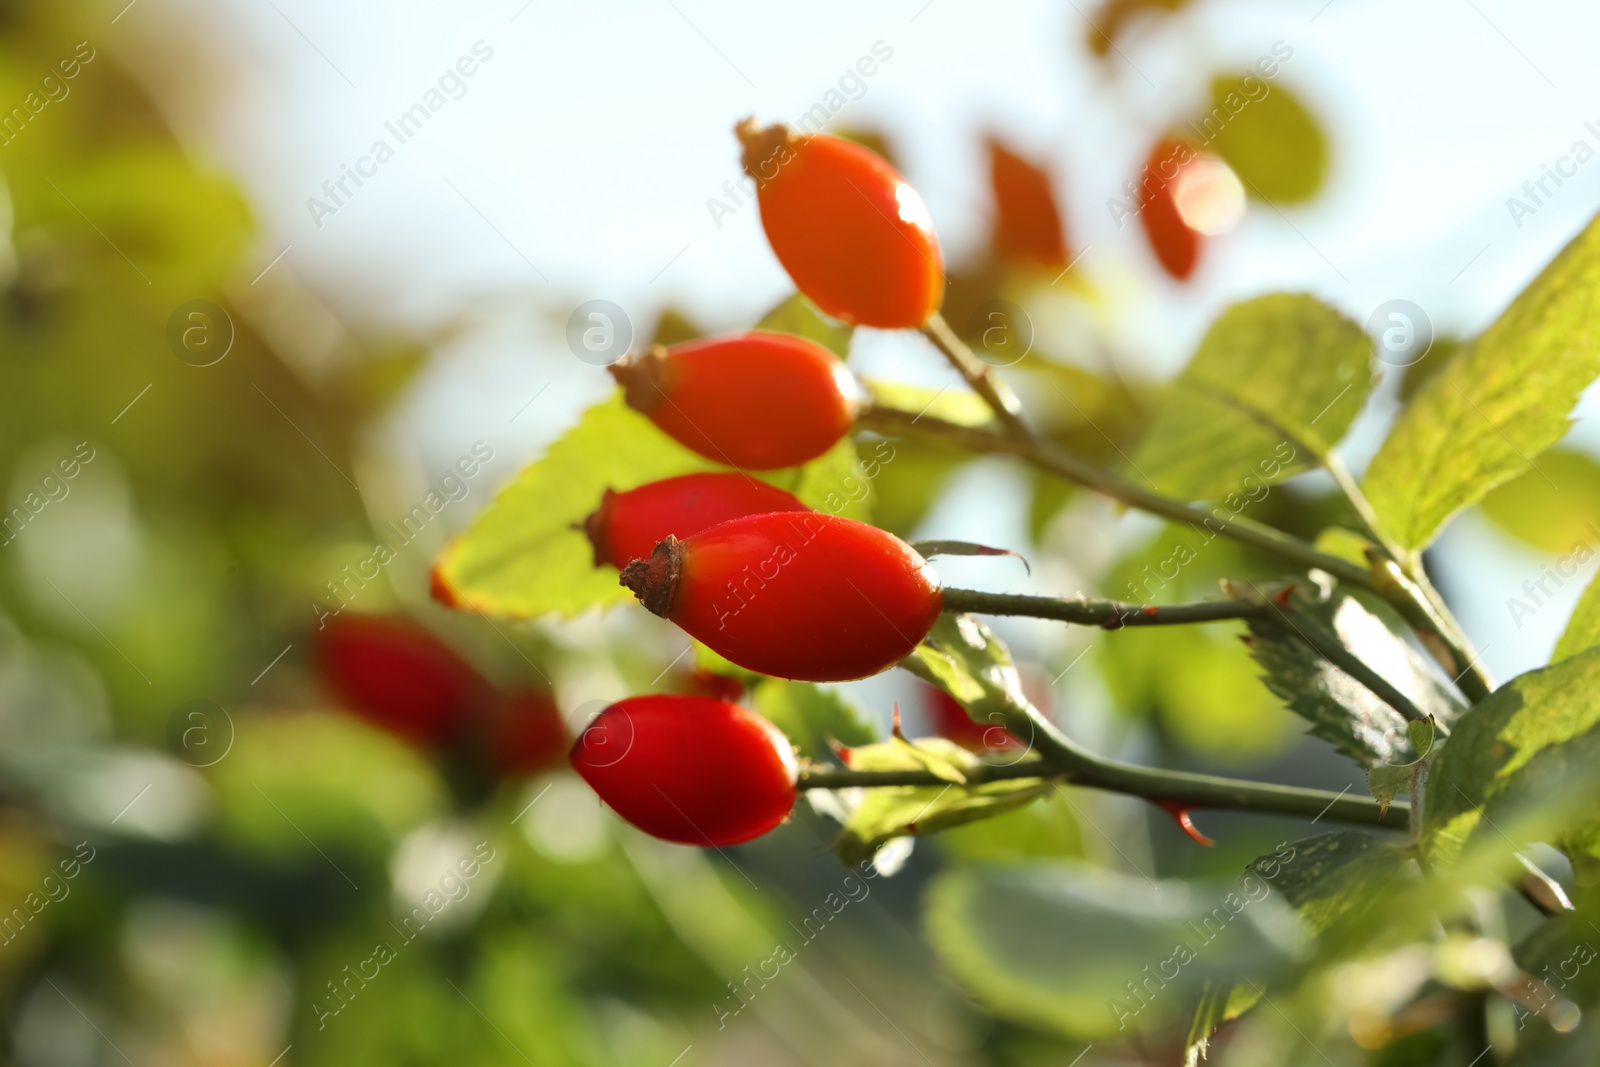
(948,719)
(395,673)
(526,734)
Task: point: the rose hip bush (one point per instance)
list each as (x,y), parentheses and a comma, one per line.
(719,490)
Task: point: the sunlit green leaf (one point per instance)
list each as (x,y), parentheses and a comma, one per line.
(1493,747)
(1272,388)
(1497,404)
(810,716)
(524,556)
(799,316)
(1268,136)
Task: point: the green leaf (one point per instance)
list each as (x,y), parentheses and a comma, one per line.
(1333,877)
(1498,403)
(1272,142)
(1272,388)
(1551,509)
(799,316)
(1089,953)
(1389,780)
(879,815)
(1340,710)
(810,716)
(1583,629)
(952,405)
(1492,750)
(524,556)
(963,657)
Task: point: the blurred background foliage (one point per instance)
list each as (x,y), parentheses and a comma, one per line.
(252,844)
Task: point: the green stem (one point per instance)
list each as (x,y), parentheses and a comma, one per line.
(1416,590)
(830,778)
(976,373)
(1046,457)
(1107,614)
(1181,789)
(1114,615)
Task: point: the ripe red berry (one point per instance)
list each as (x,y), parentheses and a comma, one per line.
(949,719)
(1175,243)
(755,400)
(630,524)
(525,734)
(814,597)
(1027,223)
(852,234)
(689,769)
(395,673)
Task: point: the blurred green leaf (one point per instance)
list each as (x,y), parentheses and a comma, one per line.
(951,405)
(1583,629)
(1044,831)
(1552,508)
(1340,710)
(524,555)
(1497,404)
(1268,136)
(1074,949)
(675,327)
(799,316)
(810,715)
(1272,388)
(1492,747)
(294,782)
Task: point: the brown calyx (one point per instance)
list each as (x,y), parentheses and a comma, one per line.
(655,580)
(761,144)
(595,525)
(643,377)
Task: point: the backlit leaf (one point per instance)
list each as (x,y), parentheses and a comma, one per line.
(1497,404)
(1272,388)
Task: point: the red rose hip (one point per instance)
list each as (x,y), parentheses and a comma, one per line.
(395,673)
(629,525)
(689,769)
(800,595)
(854,237)
(755,400)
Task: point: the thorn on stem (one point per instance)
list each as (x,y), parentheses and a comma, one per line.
(1180,815)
